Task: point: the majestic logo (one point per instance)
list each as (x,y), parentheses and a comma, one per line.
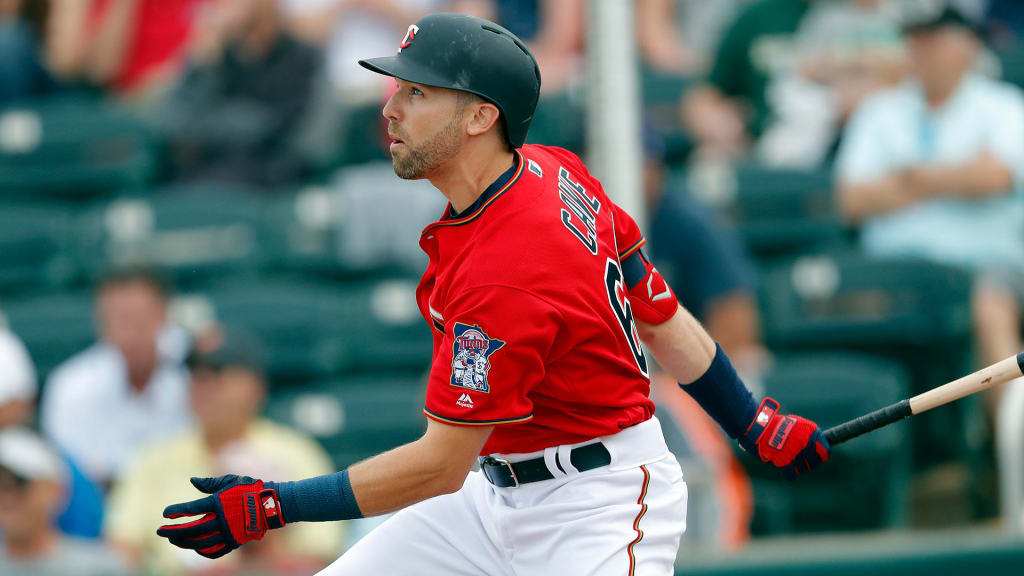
(466,401)
(410,35)
(471,357)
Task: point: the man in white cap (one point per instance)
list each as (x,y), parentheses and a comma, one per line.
(83,513)
(17,381)
(32,480)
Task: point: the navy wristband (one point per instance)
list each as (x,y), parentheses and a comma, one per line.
(722,394)
(320,499)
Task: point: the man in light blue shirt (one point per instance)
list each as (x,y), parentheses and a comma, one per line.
(934,167)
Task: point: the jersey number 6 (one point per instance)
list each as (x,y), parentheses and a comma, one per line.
(624,313)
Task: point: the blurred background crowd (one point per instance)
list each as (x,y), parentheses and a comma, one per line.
(207,263)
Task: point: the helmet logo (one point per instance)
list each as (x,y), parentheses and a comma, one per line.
(410,35)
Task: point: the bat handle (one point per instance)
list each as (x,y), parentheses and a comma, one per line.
(868,422)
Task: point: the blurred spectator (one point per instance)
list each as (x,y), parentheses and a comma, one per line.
(552,29)
(133,46)
(227,395)
(731,109)
(676,37)
(933,169)
(22,73)
(707,266)
(17,381)
(786,74)
(843,51)
(369,237)
(236,113)
(1004,23)
(129,388)
(354,29)
(32,481)
(83,511)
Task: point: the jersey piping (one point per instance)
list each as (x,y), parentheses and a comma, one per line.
(501,189)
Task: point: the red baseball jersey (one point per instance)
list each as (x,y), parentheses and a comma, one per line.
(532,328)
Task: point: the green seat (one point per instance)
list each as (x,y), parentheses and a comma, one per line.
(661,94)
(33,247)
(362,136)
(357,416)
(317,329)
(848,300)
(781,212)
(384,326)
(189,232)
(298,322)
(302,232)
(74,147)
(1012,63)
(558,121)
(326,231)
(911,311)
(831,388)
(53,326)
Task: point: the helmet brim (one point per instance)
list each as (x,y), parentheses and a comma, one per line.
(408,70)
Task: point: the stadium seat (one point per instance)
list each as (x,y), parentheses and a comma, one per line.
(831,388)
(53,326)
(349,229)
(357,416)
(1011,62)
(303,231)
(73,147)
(318,329)
(33,247)
(189,232)
(383,325)
(363,134)
(662,93)
(845,300)
(777,212)
(911,311)
(558,121)
(298,322)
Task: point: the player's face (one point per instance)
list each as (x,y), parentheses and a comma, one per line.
(425,127)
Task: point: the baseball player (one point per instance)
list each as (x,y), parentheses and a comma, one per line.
(540,300)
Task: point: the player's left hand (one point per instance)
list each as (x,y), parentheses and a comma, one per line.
(238,509)
(793,444)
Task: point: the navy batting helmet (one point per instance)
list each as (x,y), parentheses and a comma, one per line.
(473,55)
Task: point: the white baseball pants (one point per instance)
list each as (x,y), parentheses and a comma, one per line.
(624,519)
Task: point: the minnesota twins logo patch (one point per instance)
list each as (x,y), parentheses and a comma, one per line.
(471,357)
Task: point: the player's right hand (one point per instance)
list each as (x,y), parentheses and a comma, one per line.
(238,509)
(791,443)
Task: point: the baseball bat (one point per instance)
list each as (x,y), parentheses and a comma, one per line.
(987,377)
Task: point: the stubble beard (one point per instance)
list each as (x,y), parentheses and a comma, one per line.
(416,163)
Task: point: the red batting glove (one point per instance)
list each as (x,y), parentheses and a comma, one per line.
(791,443)
(238,510)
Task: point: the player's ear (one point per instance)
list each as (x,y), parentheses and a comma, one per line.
(482,117)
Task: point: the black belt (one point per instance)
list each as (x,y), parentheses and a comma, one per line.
(505,474)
